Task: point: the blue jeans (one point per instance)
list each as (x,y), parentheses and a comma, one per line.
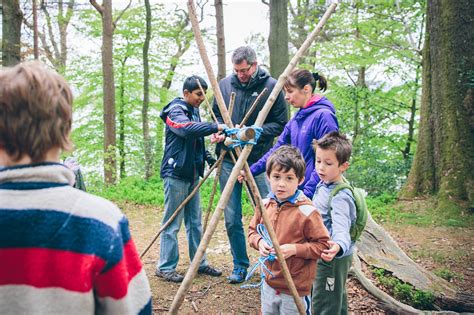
(176,190)
(233,214)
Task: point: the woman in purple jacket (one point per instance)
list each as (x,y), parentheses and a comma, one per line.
(315,118)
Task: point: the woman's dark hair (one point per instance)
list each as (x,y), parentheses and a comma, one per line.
(299,78)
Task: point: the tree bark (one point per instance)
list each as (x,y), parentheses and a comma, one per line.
(278,37)
(110,158)
(445,150)
(121,119)
(35,31)
(11,26)
(221,71)
(146,96)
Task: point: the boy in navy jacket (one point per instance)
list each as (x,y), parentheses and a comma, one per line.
(182,164)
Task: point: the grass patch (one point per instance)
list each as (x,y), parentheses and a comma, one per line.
(448,275)
(140,191)
(425,212)
(405,292)
(133,189)
(384,207)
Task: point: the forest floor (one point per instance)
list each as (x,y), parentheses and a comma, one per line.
(447,250)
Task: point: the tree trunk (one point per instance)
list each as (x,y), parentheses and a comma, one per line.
(411,121)
(221,71)
(445,150)
(35,31)
(278,37)
(121,119)
(110,158)
(146,96)
(11,26)
(56,53)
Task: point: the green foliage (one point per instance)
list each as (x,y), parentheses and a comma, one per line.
(132,189)
(385,208)
(405,292)
(447,274)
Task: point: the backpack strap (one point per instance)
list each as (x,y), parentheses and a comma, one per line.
(345,184)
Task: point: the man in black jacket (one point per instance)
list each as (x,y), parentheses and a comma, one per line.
(247,81)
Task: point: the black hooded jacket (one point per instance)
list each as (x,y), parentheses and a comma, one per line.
(245,95)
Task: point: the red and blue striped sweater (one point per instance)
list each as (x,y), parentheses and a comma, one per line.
(63,250)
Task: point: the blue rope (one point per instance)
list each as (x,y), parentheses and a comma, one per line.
(262,231)
(237,142)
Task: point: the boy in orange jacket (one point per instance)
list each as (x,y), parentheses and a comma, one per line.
(299,229)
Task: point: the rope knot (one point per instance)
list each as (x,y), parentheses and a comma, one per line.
(239,136)
(262,231)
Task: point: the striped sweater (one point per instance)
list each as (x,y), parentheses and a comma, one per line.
(63,251)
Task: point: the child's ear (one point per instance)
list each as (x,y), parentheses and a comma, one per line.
(186,92)
(301,181)
(344,166)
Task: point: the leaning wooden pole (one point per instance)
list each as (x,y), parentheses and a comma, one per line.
(241,162)
(184,203)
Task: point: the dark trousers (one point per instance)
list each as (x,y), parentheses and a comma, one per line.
(329,287)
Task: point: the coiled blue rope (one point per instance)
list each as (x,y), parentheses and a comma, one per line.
(237,142)
(262,231)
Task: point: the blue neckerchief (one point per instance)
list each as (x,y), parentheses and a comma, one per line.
(293,199)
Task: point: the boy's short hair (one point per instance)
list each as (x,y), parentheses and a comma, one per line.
(338,142)
(190,83)
(285,158)
(35,111)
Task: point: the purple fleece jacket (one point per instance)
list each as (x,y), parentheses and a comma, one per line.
(313,121)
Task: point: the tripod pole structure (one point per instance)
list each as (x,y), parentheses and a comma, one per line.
(242,160)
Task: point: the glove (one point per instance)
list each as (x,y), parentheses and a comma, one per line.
(211,161)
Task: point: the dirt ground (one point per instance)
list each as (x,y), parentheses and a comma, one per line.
(430,247)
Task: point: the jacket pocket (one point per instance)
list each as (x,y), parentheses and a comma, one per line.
(178,162)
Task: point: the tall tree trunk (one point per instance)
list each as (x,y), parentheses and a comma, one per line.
(11,26)
(221,71)
(110,158)
(121,119)
(35,31)
(110,161)
(146,95)
(445,150)
(411,121)
(278,37)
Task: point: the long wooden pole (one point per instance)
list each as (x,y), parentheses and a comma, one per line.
(186,284)
(185,202)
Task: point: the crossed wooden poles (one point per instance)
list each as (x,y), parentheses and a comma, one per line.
(241,163)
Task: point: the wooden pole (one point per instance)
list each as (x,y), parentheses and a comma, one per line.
(181,206)
(209,107)
(211,199)
(252,108)
(241,162)
(231,104)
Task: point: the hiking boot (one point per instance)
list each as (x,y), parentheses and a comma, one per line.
(171,276)
(238,275)
(208,270)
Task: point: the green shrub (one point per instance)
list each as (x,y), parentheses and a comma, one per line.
(404,292)
(447,274)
